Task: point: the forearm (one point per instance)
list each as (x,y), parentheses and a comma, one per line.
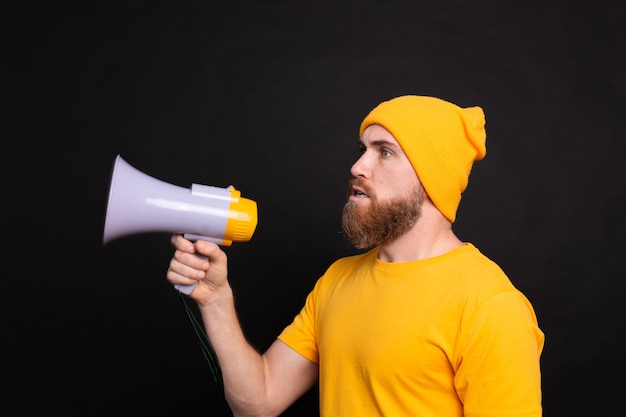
(243,368)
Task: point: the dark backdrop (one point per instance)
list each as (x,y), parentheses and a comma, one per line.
(267,96)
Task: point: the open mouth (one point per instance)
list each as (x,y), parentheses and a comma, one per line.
(359,193)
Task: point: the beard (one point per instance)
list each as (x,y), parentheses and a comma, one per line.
(384,220)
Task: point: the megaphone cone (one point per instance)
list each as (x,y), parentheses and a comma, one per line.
(138,203)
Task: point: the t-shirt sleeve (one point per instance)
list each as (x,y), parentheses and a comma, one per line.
(499,362)
(300,334)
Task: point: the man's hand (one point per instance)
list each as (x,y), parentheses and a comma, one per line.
(202,262)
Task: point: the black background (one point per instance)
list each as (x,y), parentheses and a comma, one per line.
(268,96)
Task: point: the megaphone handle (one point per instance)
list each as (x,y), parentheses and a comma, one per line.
(186,289)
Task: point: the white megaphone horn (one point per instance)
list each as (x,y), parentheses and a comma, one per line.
(139,203)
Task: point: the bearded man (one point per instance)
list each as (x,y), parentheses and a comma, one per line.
(420,323)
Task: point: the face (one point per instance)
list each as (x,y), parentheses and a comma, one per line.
(385,196)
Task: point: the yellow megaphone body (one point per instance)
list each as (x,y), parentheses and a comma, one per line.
(138,203)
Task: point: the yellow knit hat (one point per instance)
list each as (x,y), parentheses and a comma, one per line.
(441,139)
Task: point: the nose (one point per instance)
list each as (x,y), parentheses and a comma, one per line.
(359,168)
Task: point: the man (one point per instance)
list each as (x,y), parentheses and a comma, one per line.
(421,324)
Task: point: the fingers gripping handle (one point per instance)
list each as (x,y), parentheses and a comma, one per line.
(187,289)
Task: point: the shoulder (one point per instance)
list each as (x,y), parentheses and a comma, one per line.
(352,262)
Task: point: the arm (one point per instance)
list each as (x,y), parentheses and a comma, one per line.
(255,384)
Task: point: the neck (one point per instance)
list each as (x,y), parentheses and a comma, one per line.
(431,236)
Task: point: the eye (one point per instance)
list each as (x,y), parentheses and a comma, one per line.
(386,153)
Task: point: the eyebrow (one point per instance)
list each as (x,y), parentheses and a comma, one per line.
(380,143)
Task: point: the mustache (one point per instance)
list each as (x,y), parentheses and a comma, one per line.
(357,182)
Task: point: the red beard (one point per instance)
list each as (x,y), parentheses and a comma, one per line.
(382,221)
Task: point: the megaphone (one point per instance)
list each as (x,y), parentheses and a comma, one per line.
(138,203)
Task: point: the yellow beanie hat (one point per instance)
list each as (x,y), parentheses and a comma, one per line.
(441,139)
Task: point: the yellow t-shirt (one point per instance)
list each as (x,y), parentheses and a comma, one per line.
(446,336)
